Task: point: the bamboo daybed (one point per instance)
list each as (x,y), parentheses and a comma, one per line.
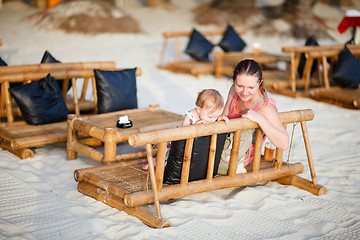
(18,137)
(84,105)
(295,86)
(125,186)
(191,66)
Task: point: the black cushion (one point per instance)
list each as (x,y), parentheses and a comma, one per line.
(311,41)
(346,72)
(199,47)
(116,90)
(40,102)
(2,62)
(199,159)
(231,41)
(48,58)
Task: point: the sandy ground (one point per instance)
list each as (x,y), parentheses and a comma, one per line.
(39,199)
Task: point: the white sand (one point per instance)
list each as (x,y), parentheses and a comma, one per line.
(39,199)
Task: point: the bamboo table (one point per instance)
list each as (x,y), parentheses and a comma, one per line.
(235,57)
(102,129)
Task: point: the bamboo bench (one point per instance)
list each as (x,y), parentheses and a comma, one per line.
(18,137)
(29,69)
(291,86)
(191,66)
(125,186)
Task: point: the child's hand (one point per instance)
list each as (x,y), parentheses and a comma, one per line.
(223,118)
(202,122)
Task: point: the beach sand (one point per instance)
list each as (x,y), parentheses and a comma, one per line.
(39,197)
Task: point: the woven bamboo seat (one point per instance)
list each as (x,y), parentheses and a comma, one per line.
(124,186)
(18,137)
(188,66)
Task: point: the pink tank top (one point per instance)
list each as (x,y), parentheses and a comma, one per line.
(233,113)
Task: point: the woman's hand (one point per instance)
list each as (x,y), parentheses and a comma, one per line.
(223,118)
(252,115)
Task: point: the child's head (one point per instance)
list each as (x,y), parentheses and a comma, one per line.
(209,105)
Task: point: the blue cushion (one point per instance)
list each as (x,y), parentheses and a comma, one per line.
(199,47)
(40,102)
(48,58)
(116,90)
(346,72)
(231,41)
(311,41)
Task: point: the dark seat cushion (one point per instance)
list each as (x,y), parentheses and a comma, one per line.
(231,41)
(199,47)
(2,62)
(48,58)
(311,41)
(346,72)
(199,159)
(40,102)
(116,90)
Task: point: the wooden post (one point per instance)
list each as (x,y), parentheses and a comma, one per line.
(160,163)
(186,162)
(163,51)
(75,97)
(293,71)
(93,82)
(153,180)
(257,150)
(84,89)
(279,155)
(178,51)
(308,152)
(234,154)
(72,137)
(110,145)
(9,110)
(211,161)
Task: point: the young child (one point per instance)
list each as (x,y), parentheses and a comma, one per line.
(209,106)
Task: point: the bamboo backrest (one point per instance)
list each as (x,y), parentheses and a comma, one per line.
(178,36)
(162,137)
(26,77)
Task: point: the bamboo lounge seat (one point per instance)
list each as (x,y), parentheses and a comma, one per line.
(300,85)
(18,137)
(191,66)
(84,105)
(125,186)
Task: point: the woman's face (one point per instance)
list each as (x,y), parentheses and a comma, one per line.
(246,86)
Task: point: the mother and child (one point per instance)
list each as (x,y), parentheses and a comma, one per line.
(247,98)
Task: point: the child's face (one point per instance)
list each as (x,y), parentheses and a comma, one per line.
(208,115)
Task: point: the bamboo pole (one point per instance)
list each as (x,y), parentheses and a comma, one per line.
(153,180)
(234,154)
(199,130)
(142,213)
(211,161)
(88,151)
(160,163)
(302,183)
(163,51)
(173,191)
(308,151)
(9,110)
(84,89)
(279,154)
(75,97)
(186,162)
(257,150)
(93,82)
(110,145)
(72,137)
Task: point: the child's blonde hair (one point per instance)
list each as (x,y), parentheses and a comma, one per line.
(210,98)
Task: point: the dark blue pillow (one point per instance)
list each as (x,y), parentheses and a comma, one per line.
(311,41)
(2,62)
(346,72)
(116,90)
(199,47)
(41,101)
(199,159)
(231,41)
(48,58)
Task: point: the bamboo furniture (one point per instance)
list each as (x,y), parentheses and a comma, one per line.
(18,137)
(191,66)
(226,61)
(102,128)
(27,73)
(125,186)
(290,88)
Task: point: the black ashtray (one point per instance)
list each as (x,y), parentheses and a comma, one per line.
(124,122)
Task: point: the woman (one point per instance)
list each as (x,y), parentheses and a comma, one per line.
(248,98)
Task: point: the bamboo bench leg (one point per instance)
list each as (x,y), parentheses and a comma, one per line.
(71,137)
(141,213)
(302,183)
